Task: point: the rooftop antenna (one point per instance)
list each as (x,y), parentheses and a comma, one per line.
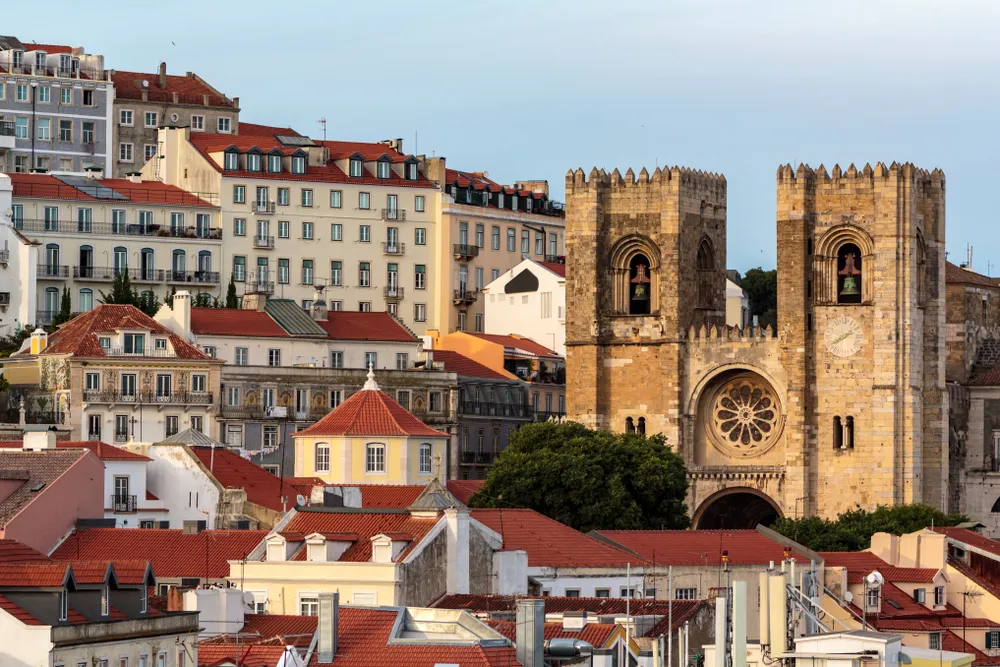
(969,251)
(322,122)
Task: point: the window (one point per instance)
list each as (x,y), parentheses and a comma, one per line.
(253,164)
(197,424)
(163,386)
(63,605)
(602,592)
(308,606)
(480,234)
(322,457)
(66,131)
(420,312)
(873,597)
(283,229)
(88,98)
(539,243)
(383,170)
(402,361)
(511,240)
(553,245)
(298,164)
(479,323)
(495,238)
(87,132)
(650,594)
(152,119)
(274,165)
(233,396)
(364,274)
(336,232)
(239,194)
(336,197)
(364,201)
(355,168)
(224,125)
(134,343)
(572,592)
(44,129)
(125,152)
(934,641)
(419,276)
(239,268)
(391,207)
(336,359)
(199,383)
(371,360)
(336,397)
(336,273)
(366,306)
(21,128)
(283,271)
(105,601)
(425,458)
(307,197)
(461,320)
(307,272)
(418,204)
(375,458)
(494,274)
(686,594)
(231,161)
(403,398)
(65,95)
(274,357)
(626,592)
(525,240)
(242,356)
(86,299)
(365,233)
(411,172)
(939,595)
(160,344)
(93,382)
(284,196)
(125,117)
(307,230)
(993,639)
(148,152)
(197,123)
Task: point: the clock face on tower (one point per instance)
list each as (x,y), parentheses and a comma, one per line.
(844,336)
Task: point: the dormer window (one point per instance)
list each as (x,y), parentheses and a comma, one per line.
(63,605)
(527,204)
(274,164)
(938,596)
(105,600)
(355,168)
(499,200)
(144,600)
(298,164)
(411,171)
(232,161)
(105,342)
(873,598)
(64,62)
(486,197)
(134,343)
(513,202)
(161,343)
(40,60)
(253,162)
(17,58)
(383,169)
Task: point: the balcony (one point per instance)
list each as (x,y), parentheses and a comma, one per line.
(147,397)
(202,277)
(395,249)
(263,242)
(123,503)
(53,271)
(260,287)
(555,259)
(44,317)
(464,296)
(33,226)
(393,293)
(263,207)
(466,251)
(6,128)
(395,214)
(545,415)
(477,458)
(121,436)
(45,417)
(95,272)
(147,275)
(490,409)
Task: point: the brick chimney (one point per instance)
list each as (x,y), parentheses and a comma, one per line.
(162,83)
(175,600)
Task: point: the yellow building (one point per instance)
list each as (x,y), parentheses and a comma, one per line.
(369,439)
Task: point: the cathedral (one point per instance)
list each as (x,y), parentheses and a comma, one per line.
(844,405)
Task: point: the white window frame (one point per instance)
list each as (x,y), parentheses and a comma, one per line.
(156,119)
(425,458)
(126,152)
(126,113)
(224,125)
(197,123)
(321,462)
(375,458)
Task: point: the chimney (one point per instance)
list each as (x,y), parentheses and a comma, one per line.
(175,599)
(457,520)
(318,309)
(163,76)
(134,176)
(94,172)
(39,340)
(326,627)
(574,620)
(182,313)
(236,103)
(254,301)
(36,441)
(530,635)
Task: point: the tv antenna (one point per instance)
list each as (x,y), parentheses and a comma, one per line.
(322,122)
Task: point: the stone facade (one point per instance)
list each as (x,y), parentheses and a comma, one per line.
(844,405)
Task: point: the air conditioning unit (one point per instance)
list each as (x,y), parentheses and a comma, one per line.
(4,299)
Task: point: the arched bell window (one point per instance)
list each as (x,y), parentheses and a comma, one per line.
(642,426)
(629,425)
(633,269)
(849,276)
(639,285)
(705,266)
(842,266)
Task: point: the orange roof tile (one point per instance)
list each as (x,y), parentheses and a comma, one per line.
(43,186)
(48,48)
(12,551)
(971,538)
(479,604)
(464,366)
(371,412)
(42,575)
(18,612)
(519,343)
(558,268)
(234,472)
(595,634)
(253,129)
(699,547)
(104,451)
(190,89)
(267,628)
(956,274)
(235,322)
(861,563)
(365,525)
(352,325)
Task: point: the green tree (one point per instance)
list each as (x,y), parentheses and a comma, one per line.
(148,303)
(202,300)
(761,288)
(232,301)
(122,292)
(65,306)
(853,530)
(589,479)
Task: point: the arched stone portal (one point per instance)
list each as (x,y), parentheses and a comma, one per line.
(738,508)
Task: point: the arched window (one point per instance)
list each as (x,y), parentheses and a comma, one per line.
(849,433)
(639,285)
(996,506)
(120,259)
(426,458)
(838,433)
(52,259)
(629,425)
(51,305)
(642,426)
(179,257)
(706,256)
(705,270)
(849,276)
(375,458)
(146,264)
(86,299)
(322,457)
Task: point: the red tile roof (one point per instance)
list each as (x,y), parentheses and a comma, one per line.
(128,572)
(43,186)
(401,496)
(951,641)
(700,547)
(464,489)
(172,553)
(956,274)
(371,412)
(12,551)
(277,629)
(519,343)
(79,336)
(595,634)
(18,612)
(488,604)
(42,575)
(455,362)
(477,180)
(190,89)
(233,471)
(681,612)
(365,525)
(104,451)
(558,268)
(859,564)
(253,129)
(970,538)
(253,655)
(351,325)
(48,48)
(235,322)
(549,543)
(368,150)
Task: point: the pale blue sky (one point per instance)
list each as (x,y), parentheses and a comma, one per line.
(531,89)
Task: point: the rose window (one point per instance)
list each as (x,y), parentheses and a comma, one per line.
(745,414)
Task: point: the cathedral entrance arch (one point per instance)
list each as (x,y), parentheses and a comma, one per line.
(736,508)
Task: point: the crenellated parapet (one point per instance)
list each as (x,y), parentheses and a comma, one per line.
(865,177)
(675,179)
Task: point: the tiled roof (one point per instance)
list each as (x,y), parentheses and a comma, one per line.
(129,572)
(277,629)
(455,362)
(190,89)
(483,604)
(861,563)
(48,48)
(233,471)
(172,553)
(368,150)
(371,412)
(242,654)
(519,343)
(351,325)
(699,547)
(18,612)
(595,634)
(956,274)
(549,543)
(464,489)
(477,180)
(401,496)
(43,186)
(104,451)
(79,336)
(970,538)
(681,612)
(365,525)
(557,268)
(234,322)
(12,551)
(952,641)
(42,575)
(33,469)
(253,129)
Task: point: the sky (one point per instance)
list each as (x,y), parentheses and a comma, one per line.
(529,90)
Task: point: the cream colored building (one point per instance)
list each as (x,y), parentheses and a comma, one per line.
(530,298)
(90,229)
(737,306)
(356,220)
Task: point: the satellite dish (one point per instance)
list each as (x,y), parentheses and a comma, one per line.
(848,596)
(300,499)
(875,578)
(248,599)
(145,83)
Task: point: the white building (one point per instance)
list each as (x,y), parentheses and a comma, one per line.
(18,264)
(737,306)
(530,299)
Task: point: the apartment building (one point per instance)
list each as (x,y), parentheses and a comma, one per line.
(486,229)
(90,229)
(354,220)
(145,102)
(533,294)
(58,101)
